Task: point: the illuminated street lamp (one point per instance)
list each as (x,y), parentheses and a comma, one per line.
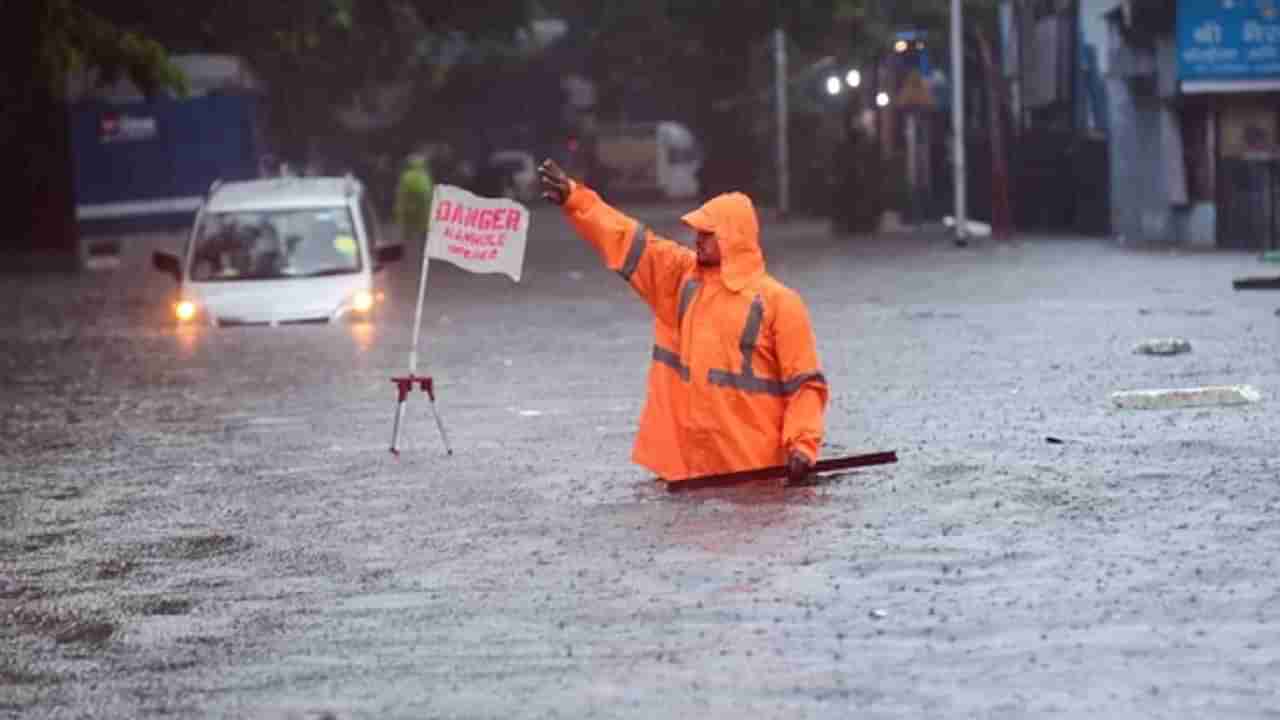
(900,46)
(833,85)
(853,78)
(882,99)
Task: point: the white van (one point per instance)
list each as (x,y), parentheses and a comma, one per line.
(278,251)
(517,174)
(657,157)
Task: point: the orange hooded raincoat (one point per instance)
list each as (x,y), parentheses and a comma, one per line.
(735,382)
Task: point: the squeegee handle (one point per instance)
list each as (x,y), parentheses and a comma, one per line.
(780,471)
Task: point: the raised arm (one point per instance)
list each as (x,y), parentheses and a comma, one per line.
(653,266)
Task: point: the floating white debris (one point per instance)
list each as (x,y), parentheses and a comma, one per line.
(1186,397)
(972,227)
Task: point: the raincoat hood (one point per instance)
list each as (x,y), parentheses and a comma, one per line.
(732,218)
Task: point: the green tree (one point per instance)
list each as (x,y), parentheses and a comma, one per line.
(701,62)
(70,38)
(723,60)
(51,40)
(316,56)
(45,43)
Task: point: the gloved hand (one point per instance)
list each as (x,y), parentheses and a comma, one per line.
(798,467)
(555,182)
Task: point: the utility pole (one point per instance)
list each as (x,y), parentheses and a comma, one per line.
(1001,213)
(913,174)
(780,106)
(957,117)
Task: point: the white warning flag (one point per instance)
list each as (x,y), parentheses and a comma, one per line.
(482,235)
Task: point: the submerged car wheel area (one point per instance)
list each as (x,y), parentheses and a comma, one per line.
(281,251)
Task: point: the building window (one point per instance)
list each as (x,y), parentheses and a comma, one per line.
(1249,130)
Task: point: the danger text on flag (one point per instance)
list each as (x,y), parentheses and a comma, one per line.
(483,235)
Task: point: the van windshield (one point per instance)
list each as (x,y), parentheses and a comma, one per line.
(273,244)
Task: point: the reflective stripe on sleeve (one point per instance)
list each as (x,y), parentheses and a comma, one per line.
(638,242)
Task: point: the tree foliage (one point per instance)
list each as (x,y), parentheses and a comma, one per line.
(44,43)
(712,64)
(873,22)
(72,38)
(313,55)
(318,55)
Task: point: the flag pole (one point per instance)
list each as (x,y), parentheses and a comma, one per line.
(405,384)
(957,120)
(422,294)
(417,327)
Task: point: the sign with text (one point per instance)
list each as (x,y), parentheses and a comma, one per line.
(481,235)
(114,127)
(1222,43)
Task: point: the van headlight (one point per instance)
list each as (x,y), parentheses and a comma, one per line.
(185,310)
(362,301)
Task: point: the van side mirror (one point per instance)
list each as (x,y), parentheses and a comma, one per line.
(167,263)
(387,254)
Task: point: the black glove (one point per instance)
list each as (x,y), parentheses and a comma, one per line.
(798,467)
(555,182)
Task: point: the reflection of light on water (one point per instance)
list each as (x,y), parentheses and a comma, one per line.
(362,333)
(188,337)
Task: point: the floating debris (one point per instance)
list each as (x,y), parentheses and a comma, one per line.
(1186,397)
(1163,346)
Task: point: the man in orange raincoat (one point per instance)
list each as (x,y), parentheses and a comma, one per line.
(735,383)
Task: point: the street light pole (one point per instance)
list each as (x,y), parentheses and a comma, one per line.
(780,104)
(957,116)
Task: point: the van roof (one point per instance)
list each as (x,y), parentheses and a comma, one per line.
(281,193)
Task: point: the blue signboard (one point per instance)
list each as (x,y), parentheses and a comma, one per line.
(1225,42)
(153,160)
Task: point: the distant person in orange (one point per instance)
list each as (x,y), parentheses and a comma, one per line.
(735,382)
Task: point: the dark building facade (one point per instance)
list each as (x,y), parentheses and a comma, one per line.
(1194,88)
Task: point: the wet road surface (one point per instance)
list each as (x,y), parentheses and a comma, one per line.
(207,523)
